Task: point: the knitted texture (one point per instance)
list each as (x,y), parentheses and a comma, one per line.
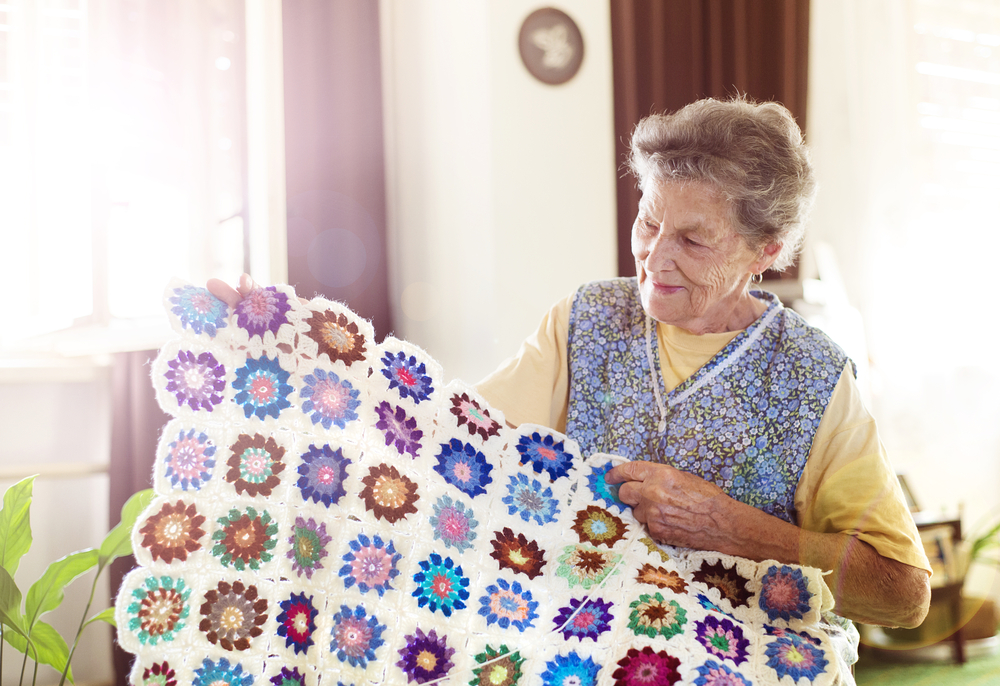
(330,511)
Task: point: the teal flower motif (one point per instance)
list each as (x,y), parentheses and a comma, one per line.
(441,585)
(602,490)
(221,673)
(528,499)
(453,523)
(159,609)
(570,670)
(199,310)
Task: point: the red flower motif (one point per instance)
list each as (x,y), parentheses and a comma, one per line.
(173,532)
(517,553)
(160,674)
(389,494)
(647,668)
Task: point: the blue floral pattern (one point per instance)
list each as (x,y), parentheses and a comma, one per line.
(356,636)
(714,674)
(545,453)
(189,460)
(199,310)
(221,673)
(570,670)
(602,490)
(407,376)
(371,564)
(747,426)
(441,585)
(784,593)
(453,523)
(795,654)
(508,605)
(263,388)
(464,467)
(328,400)
(322,475)
(527,498)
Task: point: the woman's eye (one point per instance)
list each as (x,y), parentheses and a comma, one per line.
(651,226)
(691,241)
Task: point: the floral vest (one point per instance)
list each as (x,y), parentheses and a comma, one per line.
(744,421)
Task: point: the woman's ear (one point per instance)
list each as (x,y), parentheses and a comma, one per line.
(767,257)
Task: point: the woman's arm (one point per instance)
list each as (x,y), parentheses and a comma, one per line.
(682,509)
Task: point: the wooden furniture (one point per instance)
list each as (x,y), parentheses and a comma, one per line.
(947,592)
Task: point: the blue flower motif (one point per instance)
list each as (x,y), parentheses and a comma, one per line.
(507,604)
(371,564)
(330,400)
(545,454)
(297,622)
(356,636)
(795,654)
(714,674)
(221,673)
(464,467)
(199,310)
(407,376)
(263,387)
(602,490)
(784,593)
(527,499)
(189,460)
(441,585)
(453,523)
(322,474)
(570,670)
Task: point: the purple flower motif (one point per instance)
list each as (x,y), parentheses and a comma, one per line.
(189,460)
(371,564)
(784,593)
(441,585)
(330,400)
(526,498)
(545,454)
(794,654)
(308,546)
(722,638)
(425,657)
(356,636)
(507,604)
(464,467)
(398,429)
(199,310)
(289,677)
(453,523)
(263,387)
(323,471)
(297,622)
(196,380)
(584,618)
(714,674)
(263,309)
(407,376)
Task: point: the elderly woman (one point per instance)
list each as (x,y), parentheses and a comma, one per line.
(744,426)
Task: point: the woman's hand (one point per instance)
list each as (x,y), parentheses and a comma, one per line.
(229,295)
(682,509)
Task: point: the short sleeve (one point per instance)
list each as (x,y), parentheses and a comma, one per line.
(533,386)
(849,486)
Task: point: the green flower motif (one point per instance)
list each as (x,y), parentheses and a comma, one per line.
(586,566)
(244,539)
(654,615)
(159,609)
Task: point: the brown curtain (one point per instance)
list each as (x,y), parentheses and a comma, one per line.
(136,422)
(667,53)
(335,173)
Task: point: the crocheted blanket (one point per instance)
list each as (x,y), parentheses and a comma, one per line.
(330,511)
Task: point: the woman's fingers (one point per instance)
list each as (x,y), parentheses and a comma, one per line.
(229,295)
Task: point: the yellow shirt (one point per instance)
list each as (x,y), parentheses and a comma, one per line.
(847,485)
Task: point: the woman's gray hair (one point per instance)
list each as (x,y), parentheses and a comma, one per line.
(753,153)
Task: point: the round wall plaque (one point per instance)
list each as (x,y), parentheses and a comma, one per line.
(551,46)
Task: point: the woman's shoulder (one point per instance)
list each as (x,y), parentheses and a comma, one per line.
(813,341)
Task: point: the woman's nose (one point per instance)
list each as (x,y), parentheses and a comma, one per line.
(659,252)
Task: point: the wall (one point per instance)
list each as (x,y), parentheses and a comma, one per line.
(500,189)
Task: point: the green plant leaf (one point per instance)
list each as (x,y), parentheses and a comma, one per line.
(10,604)
(46,594)
(118,542)
(15,526)
(52,649)
(106,616)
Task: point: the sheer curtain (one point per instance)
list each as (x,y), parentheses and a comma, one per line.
(904,110)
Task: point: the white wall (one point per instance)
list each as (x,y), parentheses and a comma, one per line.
(500,189)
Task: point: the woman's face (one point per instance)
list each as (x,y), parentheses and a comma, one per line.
(692,266)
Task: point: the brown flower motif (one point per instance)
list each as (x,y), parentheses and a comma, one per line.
(233,614)
(474,417)
(245,538)
(731,585)
(597,526)
(586,566)
(336,336)
(517,553)
(661,578)
(255,464)
(173,532)
(389,494)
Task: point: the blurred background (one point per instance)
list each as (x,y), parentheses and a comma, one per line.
(399,155)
